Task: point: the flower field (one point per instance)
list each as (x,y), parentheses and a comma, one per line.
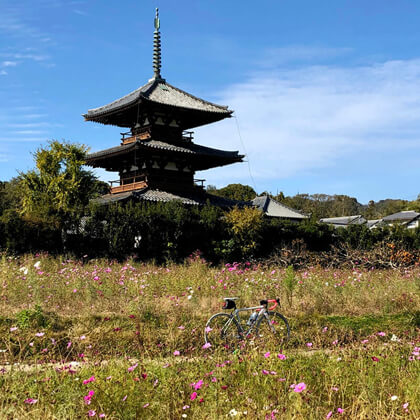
(102,339)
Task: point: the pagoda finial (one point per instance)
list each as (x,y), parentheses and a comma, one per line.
(156,47)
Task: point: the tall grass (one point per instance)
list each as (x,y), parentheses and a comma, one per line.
(137,330)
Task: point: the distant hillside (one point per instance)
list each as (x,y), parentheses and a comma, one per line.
(323,205)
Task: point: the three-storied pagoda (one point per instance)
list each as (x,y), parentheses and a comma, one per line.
(157,158)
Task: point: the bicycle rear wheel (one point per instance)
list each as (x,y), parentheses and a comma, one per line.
(273,327)
(222,330)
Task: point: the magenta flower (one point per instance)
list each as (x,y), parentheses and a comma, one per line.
(382,334)
(208,329)
(375,359)
(340,410)
(328,415)
(124,398)
(91,413)
(176,353)
(31,401)
(69,344)
(281,356)
(13,329)
(266,355)
(91,379)
(193,396)
(146,405)
(265,372)
(88,397)
(308,344)
(102,415)
(206,346)
(40,334)
(301,386)
(198,384)
(131,368)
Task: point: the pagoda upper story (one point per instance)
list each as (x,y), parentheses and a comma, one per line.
(157,152)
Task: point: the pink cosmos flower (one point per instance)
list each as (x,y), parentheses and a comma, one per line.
(193,396)
(88,397)
(13,329)
(265,372)
(82,337)
(375,359)
(382,334)
(206,346)
(91,413)
(281,356)
(266,355)
(102,415)
(40,334)
(69,344)
(329,415)
(146,405)
(325,329)
(176,353)
(198,384)
(31,401)
(91,379)
(340,410)
(131,368)
(301,386)
(185,407)
(365,341)
(74,290)
(308,344)
(208,329)
(335,342)
(181,327)
(124,398)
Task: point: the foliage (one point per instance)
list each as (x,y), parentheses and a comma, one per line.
(237,192)
(245,226)
(59,188)
(290,283)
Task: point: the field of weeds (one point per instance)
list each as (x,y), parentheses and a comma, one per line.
(107,340)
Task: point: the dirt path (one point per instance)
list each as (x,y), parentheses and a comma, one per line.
(73,365)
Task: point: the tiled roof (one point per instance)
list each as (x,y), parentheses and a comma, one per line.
(158,91)
(147,194)
(402,215)
(190,148)
(273,208)
(344,220)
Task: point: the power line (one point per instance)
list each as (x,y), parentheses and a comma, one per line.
(246,153)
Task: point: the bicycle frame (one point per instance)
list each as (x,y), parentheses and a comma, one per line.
(235,314)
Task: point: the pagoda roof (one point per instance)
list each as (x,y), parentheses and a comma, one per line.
(217,157)
(155,195)
(157,93)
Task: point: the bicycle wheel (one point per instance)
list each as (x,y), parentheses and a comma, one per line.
(273,327)
(222,330)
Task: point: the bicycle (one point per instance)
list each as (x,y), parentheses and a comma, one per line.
(226,329)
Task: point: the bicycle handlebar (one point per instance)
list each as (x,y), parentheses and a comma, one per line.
(265,302)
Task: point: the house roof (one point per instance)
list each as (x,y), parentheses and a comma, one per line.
(147,194)
(344,220)
(273,208)
(403,216)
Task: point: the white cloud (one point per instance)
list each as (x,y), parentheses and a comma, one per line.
(296,121)
(3,73)
(9,63)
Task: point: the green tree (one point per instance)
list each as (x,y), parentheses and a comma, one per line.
(235,192)
(57,191)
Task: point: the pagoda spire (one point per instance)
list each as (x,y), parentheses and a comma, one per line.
(156,48)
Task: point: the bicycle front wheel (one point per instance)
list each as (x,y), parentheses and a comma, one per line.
(273,326)
(222,330)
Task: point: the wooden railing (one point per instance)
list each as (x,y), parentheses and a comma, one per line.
(128,184)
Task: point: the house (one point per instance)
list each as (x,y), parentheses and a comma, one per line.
(409,218)
(273,208)
(344,221)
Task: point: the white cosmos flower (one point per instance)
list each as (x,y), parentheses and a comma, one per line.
(37,264)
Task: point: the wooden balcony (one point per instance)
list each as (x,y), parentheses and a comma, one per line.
(128,184)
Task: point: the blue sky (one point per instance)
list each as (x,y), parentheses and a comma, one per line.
(326,94)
